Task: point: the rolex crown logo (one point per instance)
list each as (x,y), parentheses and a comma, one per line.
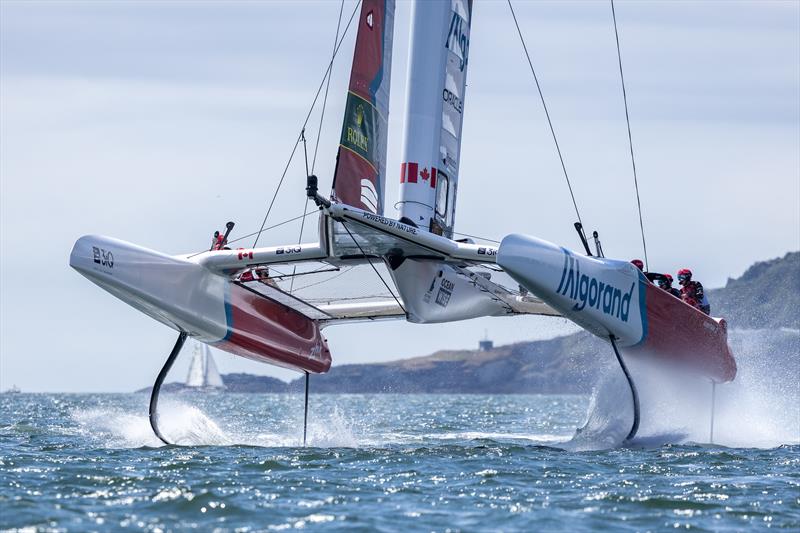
(360,115)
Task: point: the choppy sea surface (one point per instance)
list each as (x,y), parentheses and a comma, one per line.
(391,462)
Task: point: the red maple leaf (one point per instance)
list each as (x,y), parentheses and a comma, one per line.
(424,174)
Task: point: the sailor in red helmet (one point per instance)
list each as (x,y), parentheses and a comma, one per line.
(652,276)
(692,291)
(218,242)
(665,282)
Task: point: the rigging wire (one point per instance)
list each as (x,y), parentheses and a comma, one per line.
(305,123)
(305,204)
(326,280)
(279,224)
(396,299)
(630,139)
(327,86)
(319,131)
(546,112)
(487,239)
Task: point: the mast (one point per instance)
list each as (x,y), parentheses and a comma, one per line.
(360,175)
(434,113)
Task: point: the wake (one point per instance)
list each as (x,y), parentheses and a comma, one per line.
(759,409)
(187,425)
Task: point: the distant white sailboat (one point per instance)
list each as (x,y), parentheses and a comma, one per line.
(203,371)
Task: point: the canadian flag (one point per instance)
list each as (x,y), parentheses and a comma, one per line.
(410,173)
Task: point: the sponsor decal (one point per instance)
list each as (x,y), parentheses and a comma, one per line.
(103,257)
(458,40)
(354,135)
(286,250)
(588,291)
(487,251)
(359,126)
(359,115)
(445,292)
(428,294)
(389,223)
(454,101)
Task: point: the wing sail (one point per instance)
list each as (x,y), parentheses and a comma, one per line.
(360,176)
(434,113)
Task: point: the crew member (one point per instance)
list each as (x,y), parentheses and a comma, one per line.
(692,291)
(665,282)
(262,275)
(652,276)
(218,242)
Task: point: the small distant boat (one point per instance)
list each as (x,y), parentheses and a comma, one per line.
(203,373)
(13,390)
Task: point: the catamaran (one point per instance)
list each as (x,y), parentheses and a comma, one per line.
(429,275)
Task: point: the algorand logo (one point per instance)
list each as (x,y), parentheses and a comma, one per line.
(587,290)
(458,39)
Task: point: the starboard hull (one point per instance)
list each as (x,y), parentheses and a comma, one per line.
(612,297)
(208,306)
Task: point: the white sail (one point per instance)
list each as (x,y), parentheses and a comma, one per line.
(203,371)
(212,377)
(197,370)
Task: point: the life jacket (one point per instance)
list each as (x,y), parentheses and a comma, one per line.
(692,293)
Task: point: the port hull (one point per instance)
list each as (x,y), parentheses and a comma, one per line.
(207,305)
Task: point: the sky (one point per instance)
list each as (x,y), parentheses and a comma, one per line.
(156,122)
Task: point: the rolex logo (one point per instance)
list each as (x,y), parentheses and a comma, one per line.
(360,115)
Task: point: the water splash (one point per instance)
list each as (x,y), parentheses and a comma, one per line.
(759,409)
(182,424)
(188,425)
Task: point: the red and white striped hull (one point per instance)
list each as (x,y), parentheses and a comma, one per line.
(187,296)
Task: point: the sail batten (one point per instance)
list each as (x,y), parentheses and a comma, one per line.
(361,160)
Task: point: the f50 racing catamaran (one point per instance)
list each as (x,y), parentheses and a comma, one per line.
(214,297)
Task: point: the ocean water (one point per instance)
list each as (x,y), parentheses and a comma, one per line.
(391,462)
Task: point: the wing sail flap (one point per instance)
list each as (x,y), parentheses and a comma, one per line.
(360,176)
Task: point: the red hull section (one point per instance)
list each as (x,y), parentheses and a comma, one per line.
(269,332)
(678,331)
(361,166)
